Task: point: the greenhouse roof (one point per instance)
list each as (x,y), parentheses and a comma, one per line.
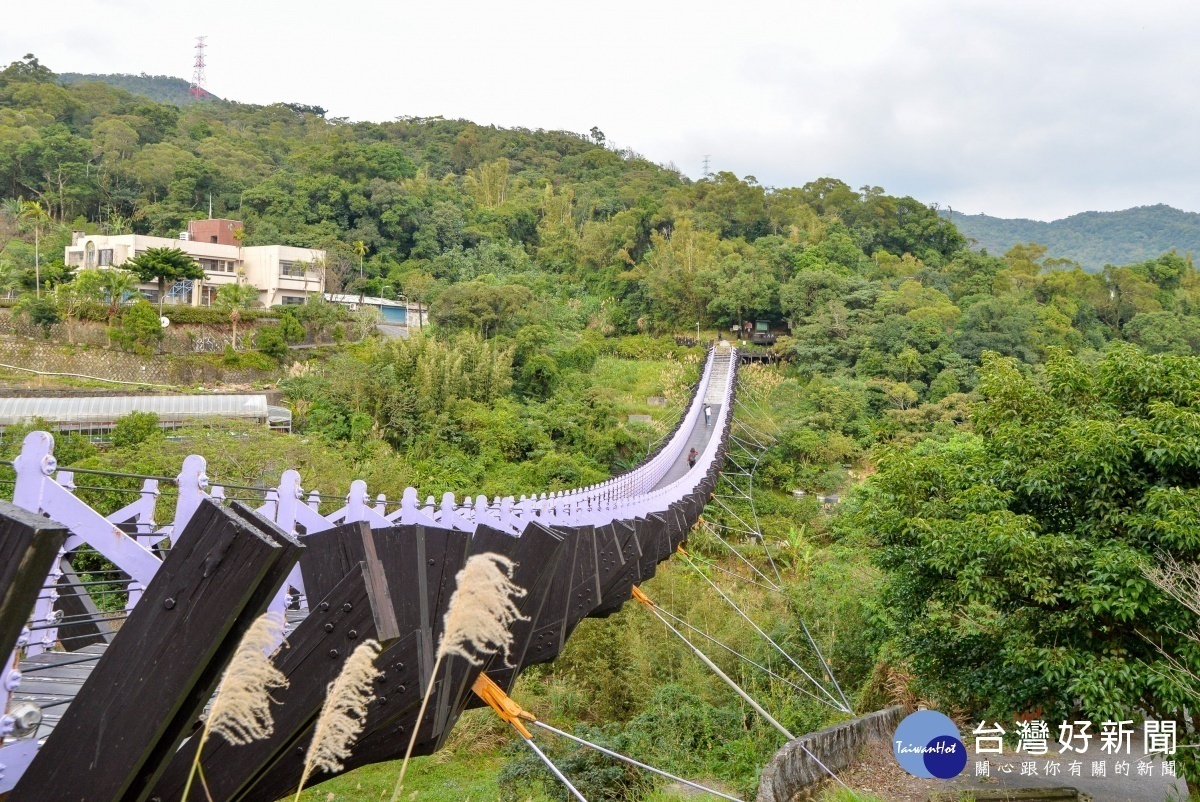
(100,410)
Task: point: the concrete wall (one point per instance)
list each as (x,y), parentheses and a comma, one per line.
(793,772)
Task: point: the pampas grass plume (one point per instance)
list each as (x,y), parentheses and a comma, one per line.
(476,625)
(241,711)
(344,713)
(481,610)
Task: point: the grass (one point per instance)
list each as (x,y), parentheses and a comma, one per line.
(466,778)
(627,383)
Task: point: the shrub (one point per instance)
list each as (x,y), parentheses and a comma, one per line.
(41,311)
(290,327)
(539,376)
(134,428)
(269,340)
(213,316)
(140,330)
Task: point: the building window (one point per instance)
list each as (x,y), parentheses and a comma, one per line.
(291,269)
(292,300)
(74,258)
(105,257)
(216,265)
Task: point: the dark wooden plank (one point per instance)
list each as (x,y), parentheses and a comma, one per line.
(399,688)
(75,602)
(29,545)
(329,556)
(145,691)
(313,657)
(420,563)
(542,561)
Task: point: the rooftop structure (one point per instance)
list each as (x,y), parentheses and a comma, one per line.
(282,274)
(95,416)
(399,313)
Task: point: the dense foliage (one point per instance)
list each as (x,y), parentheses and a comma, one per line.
(1031,423)
(1015,553)
(1093,239)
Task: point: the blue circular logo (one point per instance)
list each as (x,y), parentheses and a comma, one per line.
(927,744)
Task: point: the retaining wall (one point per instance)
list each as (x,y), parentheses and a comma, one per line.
(121,366)
(792,772)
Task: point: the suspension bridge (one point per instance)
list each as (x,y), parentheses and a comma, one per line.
(103,706)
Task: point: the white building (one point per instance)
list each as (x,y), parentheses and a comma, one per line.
(282,274)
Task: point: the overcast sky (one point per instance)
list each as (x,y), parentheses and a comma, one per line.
(1017,109)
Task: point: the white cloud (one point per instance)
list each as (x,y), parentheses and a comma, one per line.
(1011,108)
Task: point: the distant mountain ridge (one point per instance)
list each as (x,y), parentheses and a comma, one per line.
(159,88)
(1093,239)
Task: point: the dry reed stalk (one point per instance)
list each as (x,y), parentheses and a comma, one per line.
(344,713)
(476,625)
(241,710)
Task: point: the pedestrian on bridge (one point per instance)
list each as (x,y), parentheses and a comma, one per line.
(692,455)
(707,415)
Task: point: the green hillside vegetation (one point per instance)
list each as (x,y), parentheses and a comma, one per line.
(1015,437)
(1093,239)
(159,88)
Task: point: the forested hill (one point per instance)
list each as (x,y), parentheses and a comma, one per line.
(1093,239)
(159,88)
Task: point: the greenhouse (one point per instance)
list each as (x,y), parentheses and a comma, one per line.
(95,416)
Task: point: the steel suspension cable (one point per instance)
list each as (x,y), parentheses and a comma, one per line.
(553,768)
(741,656)
(759,630)
(738,554)
(738,690)
(632,762)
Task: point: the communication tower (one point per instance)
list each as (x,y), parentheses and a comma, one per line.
(197,88)
(706,173)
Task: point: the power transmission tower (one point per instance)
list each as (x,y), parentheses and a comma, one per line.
(197,88)
(706,173)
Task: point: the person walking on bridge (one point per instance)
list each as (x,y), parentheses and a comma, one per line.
(692,455)
(707,415)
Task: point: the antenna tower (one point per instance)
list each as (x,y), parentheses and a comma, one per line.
(706,173)
(197,88)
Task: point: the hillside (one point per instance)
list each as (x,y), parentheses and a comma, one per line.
(159,88)
(1094,239)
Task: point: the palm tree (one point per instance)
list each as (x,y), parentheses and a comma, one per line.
(33,216)
(360,250)
(117,285)
(11,278)
(235,297)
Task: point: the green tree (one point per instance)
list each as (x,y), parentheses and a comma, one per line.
(140,329)
(135,428)
(235,298)
(118,286)
(1014,554)
(163,265)
(73,297)
(270,340)
(34,217)
(290,327)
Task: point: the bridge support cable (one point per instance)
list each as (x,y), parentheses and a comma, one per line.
(517,716)
(734,574)
(843,706)
(632,762)
(743,657)
(712,530)
(645,600)
(562,778)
